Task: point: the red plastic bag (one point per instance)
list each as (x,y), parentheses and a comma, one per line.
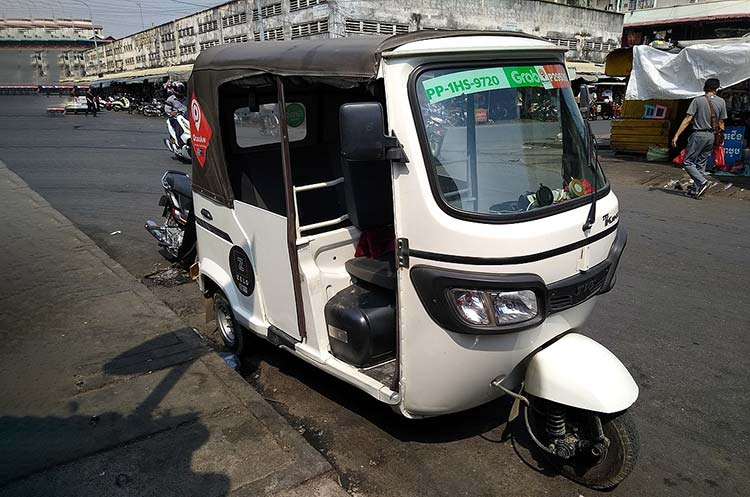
(718,155)
(680,159)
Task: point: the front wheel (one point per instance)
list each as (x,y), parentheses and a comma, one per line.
(593,449)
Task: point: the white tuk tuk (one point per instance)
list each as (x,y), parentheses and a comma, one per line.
(422,216)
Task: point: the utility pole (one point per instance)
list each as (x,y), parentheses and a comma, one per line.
(93,30)
(143,25)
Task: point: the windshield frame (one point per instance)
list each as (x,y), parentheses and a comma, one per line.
(602,191)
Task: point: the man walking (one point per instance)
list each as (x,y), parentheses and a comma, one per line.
(707,113)
(90,103)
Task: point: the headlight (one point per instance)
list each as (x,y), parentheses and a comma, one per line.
(493,308)
(514,307)
(471,306)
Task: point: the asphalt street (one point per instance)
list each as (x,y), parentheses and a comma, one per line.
(678,319)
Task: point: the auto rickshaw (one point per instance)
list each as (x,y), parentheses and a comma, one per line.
(435,279)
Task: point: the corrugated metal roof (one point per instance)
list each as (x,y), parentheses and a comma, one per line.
(724,9)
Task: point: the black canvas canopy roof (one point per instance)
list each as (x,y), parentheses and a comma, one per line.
(355,57)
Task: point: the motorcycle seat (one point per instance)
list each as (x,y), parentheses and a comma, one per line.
(181,184)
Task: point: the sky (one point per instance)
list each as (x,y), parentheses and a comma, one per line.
(118,17)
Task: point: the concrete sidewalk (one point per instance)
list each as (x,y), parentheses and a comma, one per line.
(104,392)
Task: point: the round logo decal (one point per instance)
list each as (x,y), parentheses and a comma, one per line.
(195,111)
(295,115)
(242,271)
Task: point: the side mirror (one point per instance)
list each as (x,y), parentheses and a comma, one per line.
(363,136)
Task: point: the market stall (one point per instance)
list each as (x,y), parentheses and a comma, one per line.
(661,85)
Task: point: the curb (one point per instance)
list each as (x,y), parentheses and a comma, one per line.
(311,465)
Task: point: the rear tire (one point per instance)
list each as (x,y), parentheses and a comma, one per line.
(232,334)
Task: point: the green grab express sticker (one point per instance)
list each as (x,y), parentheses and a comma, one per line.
(461,83)
(476,80)
(295,115)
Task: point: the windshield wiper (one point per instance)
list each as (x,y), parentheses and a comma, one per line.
(592,156)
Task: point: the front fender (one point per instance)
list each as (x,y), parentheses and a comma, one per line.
(579,372)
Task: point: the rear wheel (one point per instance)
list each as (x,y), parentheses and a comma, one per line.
(231,333)
(596,458)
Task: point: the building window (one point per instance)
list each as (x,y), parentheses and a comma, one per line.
(233,20)
(208,26)
(595,46)
(236,39)
(167,37)
(309,28)
(187,49)
(186,32)
(303,4)
(208,44)
(270,34)
(571,43)
(169,53)
(268,11)
(374,27)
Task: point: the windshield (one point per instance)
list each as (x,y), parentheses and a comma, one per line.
(505,140)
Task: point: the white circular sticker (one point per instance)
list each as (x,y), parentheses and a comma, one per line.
(195,111)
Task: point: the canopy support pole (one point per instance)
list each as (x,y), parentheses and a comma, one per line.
(291,210)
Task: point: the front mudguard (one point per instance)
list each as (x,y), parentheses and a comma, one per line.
(579,372)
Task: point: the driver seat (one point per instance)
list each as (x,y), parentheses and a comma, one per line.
(369,203)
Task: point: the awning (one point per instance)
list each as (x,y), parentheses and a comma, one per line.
(179,73)
(696,12)
(585,67)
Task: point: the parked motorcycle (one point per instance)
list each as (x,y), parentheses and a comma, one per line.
(119,103)
(176,235)
(180,147)
(155,108)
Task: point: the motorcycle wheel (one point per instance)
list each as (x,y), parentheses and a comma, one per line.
(116,108)
(603,471)
(231,333)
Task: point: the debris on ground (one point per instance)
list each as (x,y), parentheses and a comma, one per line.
(231,359)
(117,232)
(728,186)
(172,276)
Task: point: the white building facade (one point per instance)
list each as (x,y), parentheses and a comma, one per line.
(589,33)
(42,51)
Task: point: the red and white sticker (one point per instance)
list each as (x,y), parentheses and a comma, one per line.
(556,76)
(200,131)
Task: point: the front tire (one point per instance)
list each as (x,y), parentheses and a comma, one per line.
(618,461)
(231,333)
(606,470)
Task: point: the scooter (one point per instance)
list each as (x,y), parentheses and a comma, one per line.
(176,235)
(154,108)
(180,148)
(119,103)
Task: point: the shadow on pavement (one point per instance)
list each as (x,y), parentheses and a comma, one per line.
(144,452)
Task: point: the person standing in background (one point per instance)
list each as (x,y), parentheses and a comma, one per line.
(707,114)
(90,103)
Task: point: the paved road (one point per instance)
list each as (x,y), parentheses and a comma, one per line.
(601,128)
(678,319)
